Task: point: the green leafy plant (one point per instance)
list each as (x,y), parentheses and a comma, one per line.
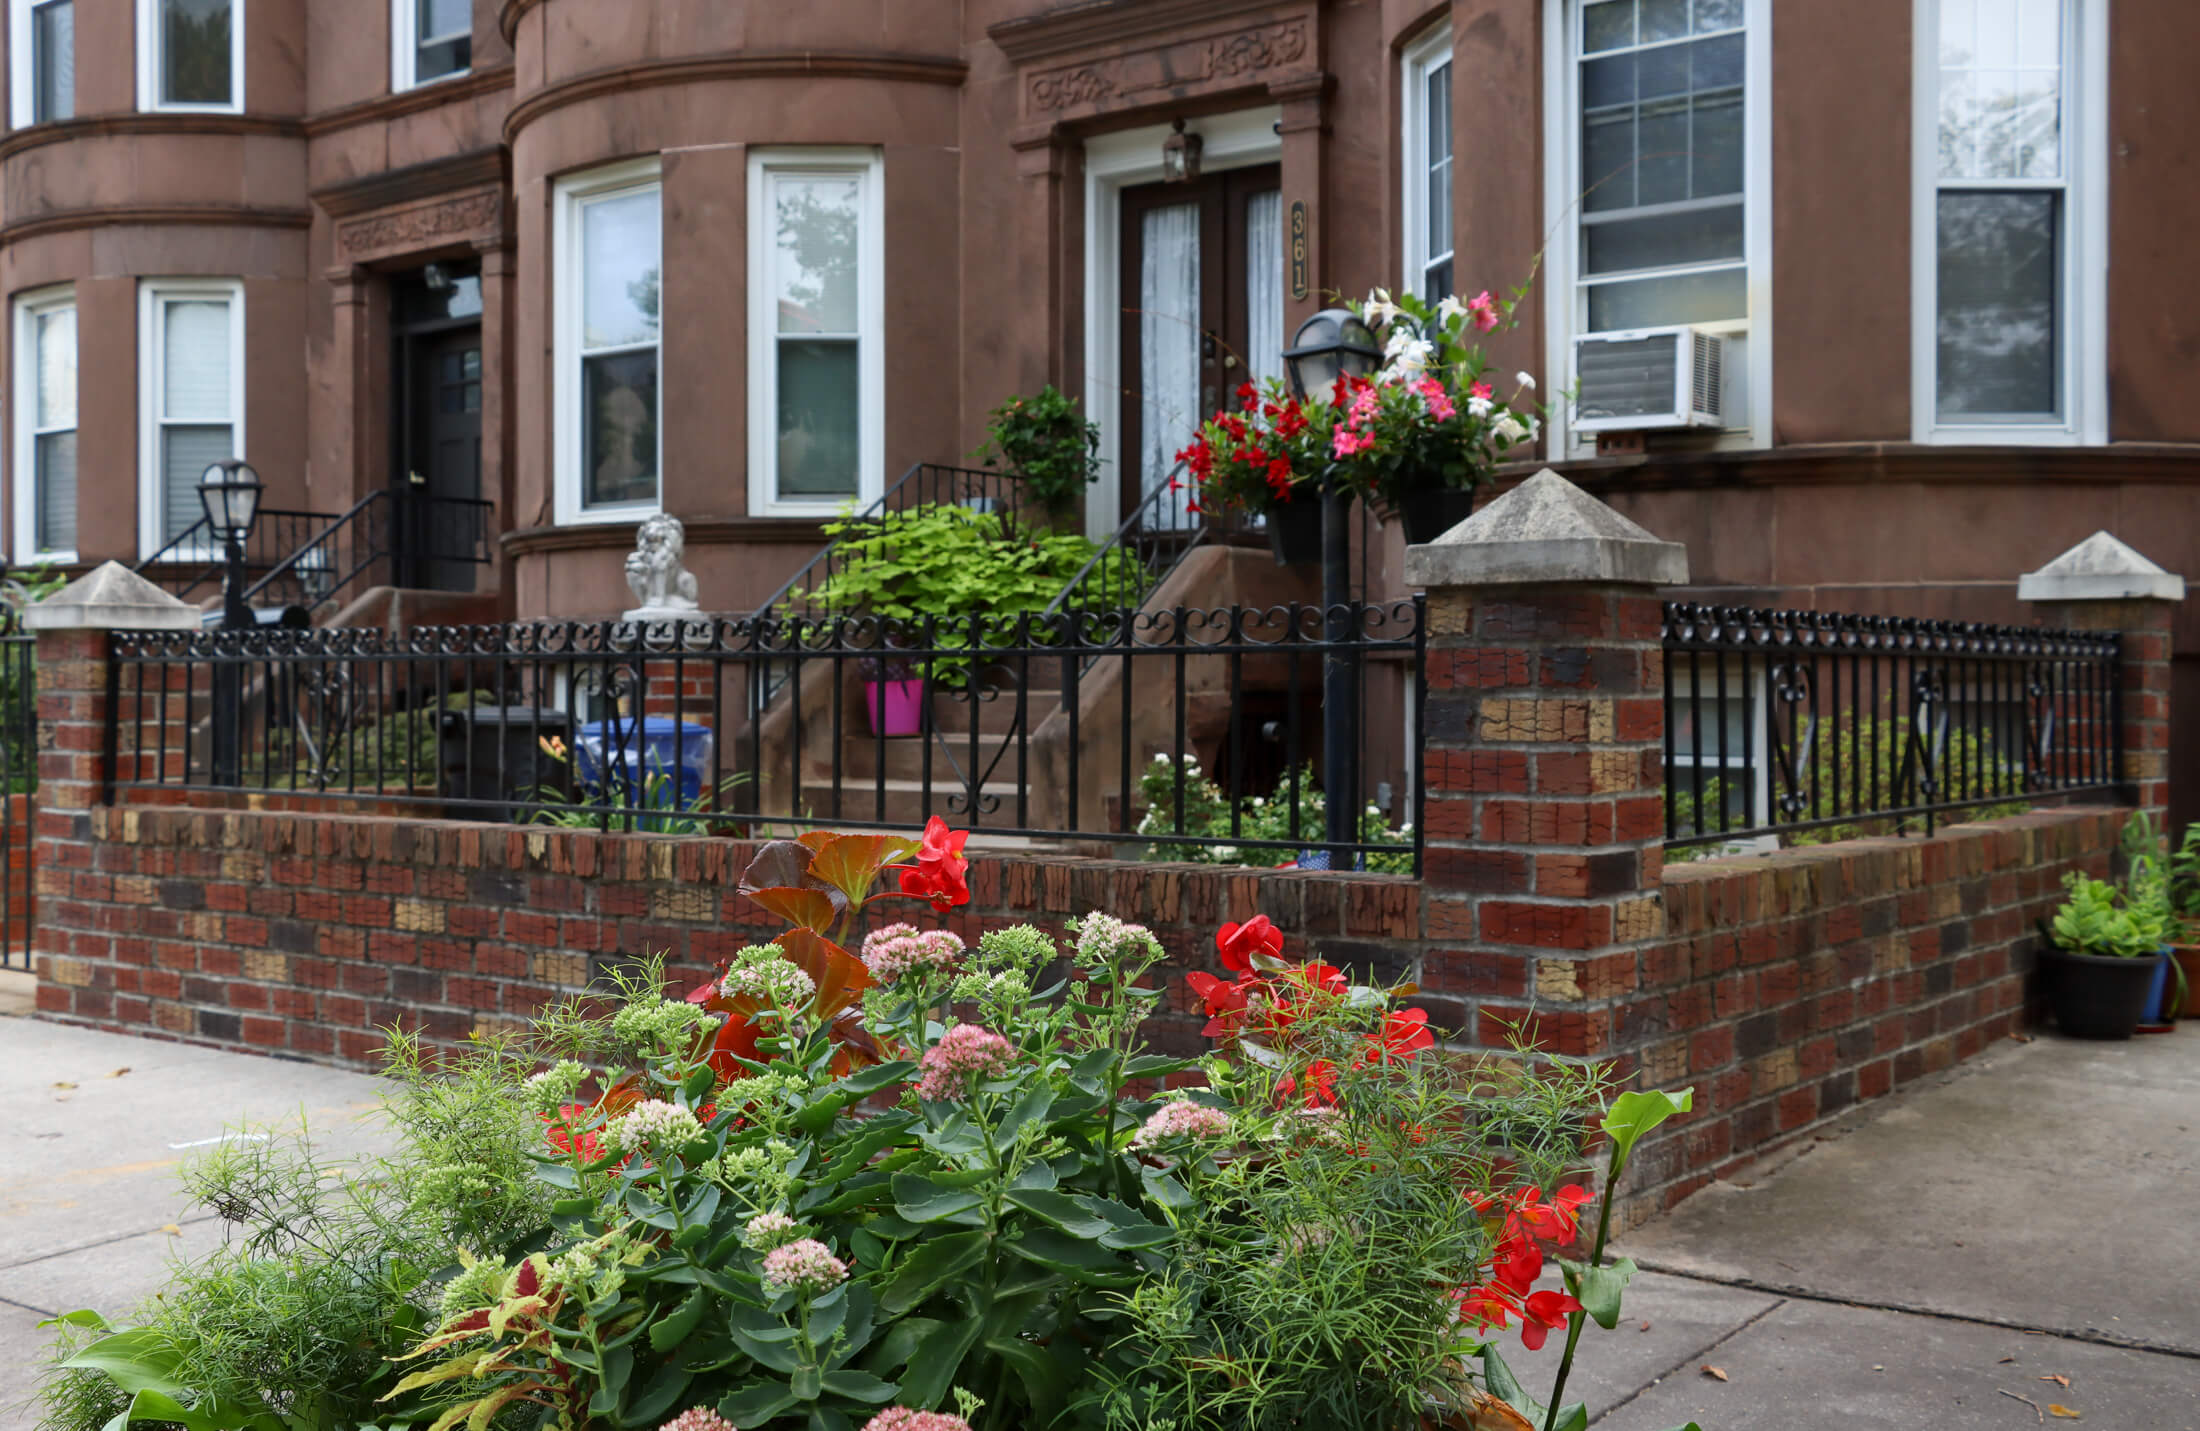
(2096,918)
(1269,828)
(942,560)
(1047,440)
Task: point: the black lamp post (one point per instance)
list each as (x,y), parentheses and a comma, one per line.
(1335,343)
(230,491)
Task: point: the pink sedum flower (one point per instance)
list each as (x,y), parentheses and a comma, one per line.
(963,1051)
(805,1265)
(901,1418)
(1182,1120)
(900,949)
(698,1418)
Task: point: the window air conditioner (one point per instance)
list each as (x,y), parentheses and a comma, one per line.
(1648,378)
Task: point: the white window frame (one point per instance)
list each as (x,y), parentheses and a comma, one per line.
(764,498)
(572,196)
(1748,383)
(22,83)
(405,49)
(1754,690)
(2083,290)
(152,292)
(148,62)
(1426,55)
(29,308)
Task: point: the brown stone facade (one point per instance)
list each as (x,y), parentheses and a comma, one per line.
(328,190)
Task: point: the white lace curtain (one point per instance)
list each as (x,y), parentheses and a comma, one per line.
(1168,349)
(1264,285)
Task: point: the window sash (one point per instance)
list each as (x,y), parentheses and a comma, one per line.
(47,414)
(52,42)
(1428,165)
(420,56)
(610,405)
(215,66)
(192,401)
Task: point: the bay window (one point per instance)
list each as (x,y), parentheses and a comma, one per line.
(2007,259)
(609,262)
(42,64)
(191,54)
(191,396)
(45,426)
(816,320)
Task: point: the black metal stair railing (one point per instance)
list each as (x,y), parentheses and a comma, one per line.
(191,564)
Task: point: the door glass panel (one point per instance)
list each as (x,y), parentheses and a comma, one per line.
(1168,344)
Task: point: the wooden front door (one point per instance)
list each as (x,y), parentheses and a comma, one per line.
(1202,286)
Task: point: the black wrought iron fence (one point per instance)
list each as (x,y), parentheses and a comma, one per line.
(1194,733)
(1781,722)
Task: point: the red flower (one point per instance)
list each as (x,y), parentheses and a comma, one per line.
(1542,1313)
(940,870)
(1226,1003)
(1404,1034)
(1321,1084)
(1485,1307)
(558,1132)
(1238,943)
(1559,1219)
(1517,1264)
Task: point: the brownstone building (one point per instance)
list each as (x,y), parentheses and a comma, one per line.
(1914,267)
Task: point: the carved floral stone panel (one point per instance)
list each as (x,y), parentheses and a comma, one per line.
(476,217)
(1173,69)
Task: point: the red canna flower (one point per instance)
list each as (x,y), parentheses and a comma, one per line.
(1226,1002)
(558,1132)
(1517,1264)
(1238,943)
(1320,1084)
(1542,1313)
(1404,1034)
(1559,1219)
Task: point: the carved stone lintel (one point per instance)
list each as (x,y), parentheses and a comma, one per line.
(664,589)
(1175,67)
(475,218)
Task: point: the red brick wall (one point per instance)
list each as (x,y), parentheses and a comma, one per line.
(16,908)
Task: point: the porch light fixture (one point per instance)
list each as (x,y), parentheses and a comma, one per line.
(1180,156)
(1330,344)
(230,491)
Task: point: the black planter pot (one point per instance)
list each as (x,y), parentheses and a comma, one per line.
(1295,531)
(2095,995)
(1429,512)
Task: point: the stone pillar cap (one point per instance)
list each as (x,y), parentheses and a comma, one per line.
(1546,530)
(2100,568)
(111,597)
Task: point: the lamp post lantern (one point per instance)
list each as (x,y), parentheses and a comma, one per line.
(1335,343)
(230,491)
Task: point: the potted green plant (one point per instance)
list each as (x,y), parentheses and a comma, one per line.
(1267,458)
(2184,897)
(1051,444)
(1422,436)
(2103,952)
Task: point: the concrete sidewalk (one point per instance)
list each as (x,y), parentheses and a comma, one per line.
(96,1127)
(1924,1265)
(1937,1256)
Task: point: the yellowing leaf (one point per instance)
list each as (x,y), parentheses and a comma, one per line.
(64,1085)
(2056,1408)
(119,1072)
(171,1229)
(2062,1381)
(1714,1373)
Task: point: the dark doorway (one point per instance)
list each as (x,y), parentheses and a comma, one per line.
(1202,293)
(437,478)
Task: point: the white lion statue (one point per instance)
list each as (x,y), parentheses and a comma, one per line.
(661,585)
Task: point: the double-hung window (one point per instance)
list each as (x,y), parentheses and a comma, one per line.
(191,54)
(45,426)
(609,292)
(2008,257)
(191,394)
(1659,153)
(429,40)
(816,324)
(42,68)
(1426,185)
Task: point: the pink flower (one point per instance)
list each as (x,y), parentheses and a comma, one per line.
(1481,390)
(1439,402)
(962,1051)
(901,1418)
(1182,1120)
(698,1418)
(898,949)
(1483,310)
(807,1264)
(1346,442)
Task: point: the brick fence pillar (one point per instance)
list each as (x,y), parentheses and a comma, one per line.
(74,627)
(1545,819)
(2103,585)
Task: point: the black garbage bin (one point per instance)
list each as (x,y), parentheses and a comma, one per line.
(495,753)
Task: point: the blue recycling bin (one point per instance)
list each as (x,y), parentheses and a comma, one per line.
(624,751)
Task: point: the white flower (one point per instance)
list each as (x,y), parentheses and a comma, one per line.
(1509,427)
(1450,309)
(1526,380)
(1409,356)
(1480,406)
(1379,311)
(654,1122)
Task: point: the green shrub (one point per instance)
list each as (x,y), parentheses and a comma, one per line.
(1047,440)
(1206,811)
